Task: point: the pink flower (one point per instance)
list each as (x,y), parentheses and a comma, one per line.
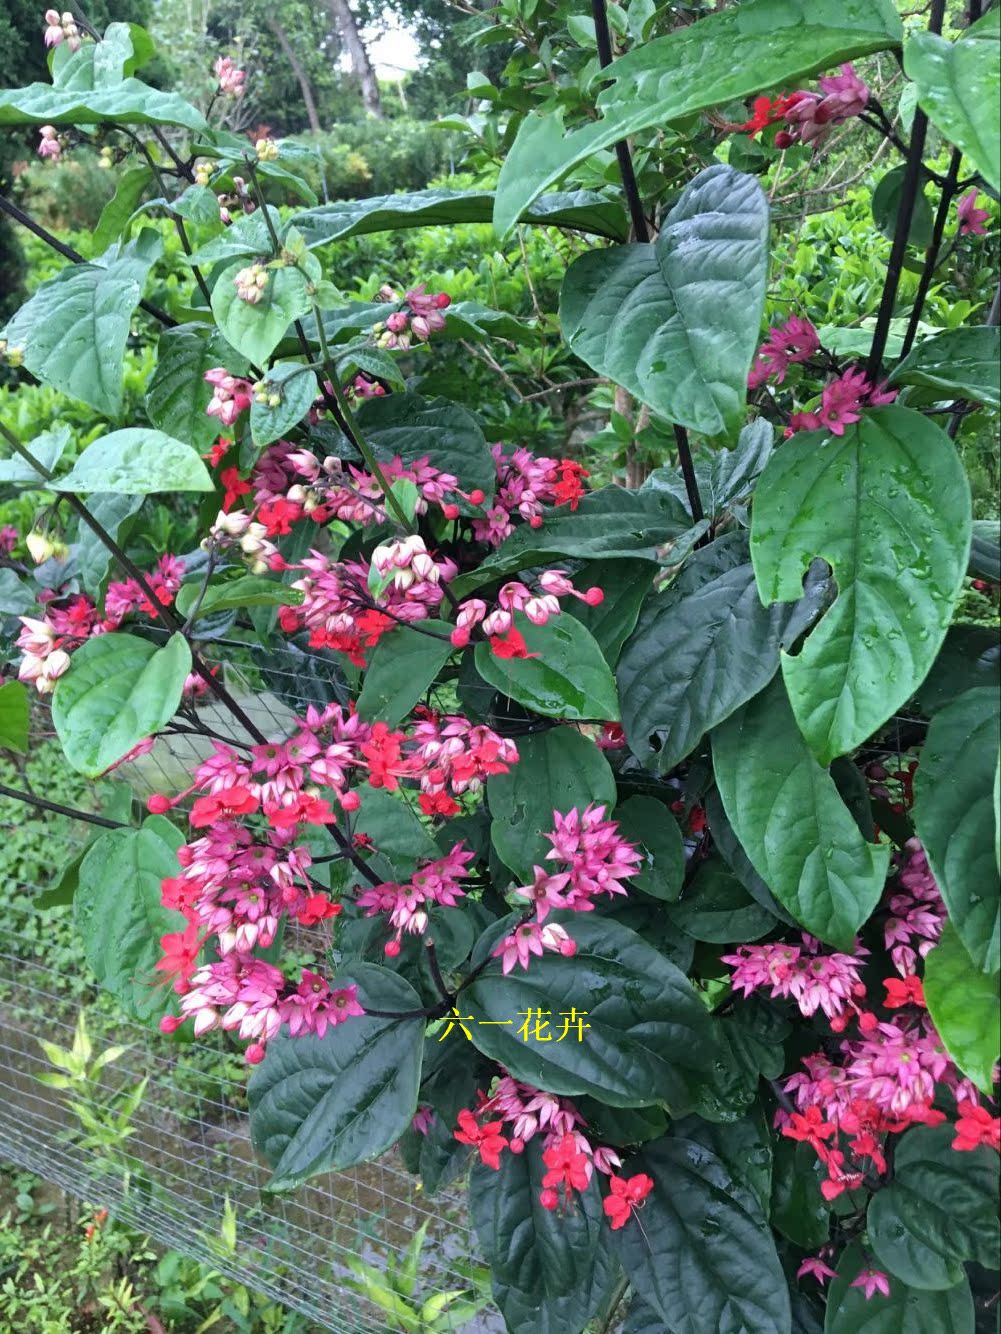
(815,1267)
(230,78)
(50,145)
(971,218)
(872,1281)
(842,400)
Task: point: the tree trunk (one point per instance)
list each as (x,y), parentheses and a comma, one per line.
(298,70)
(360,62)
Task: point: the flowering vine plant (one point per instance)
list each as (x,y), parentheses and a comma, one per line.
(605,861)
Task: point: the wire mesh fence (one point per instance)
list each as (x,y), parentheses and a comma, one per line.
(188,1161)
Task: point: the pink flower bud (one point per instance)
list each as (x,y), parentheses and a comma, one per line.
(391,949)
(397,323)
(158,804)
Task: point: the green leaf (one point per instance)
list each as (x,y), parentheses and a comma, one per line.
(15,597)
(799,835)
(625,584)
(965,1009)
(722,58)
(718,909)
(726,477)
(728,846)
(900,1250)
(677,322)
(411,427)
(63,888)
(118,691)
(549,1270)
(403,665)
(295,386)
(75,326)
(325,1104)
(798,1210)
(249,590)
(886,205)
(954,818)
(256,329)
(649,1040)
(701,1252)
(114,512)
(985,549)
(129,102)
(556,770)
(136,462)
(744,1147)
(581,210)
(565,675)
(608,525)
(959,84)
(969,657)
(46,448)
(396,832)
(649,824)
(178,393)
(129,189)
(906,1310)
(14,716)
(701,648)
(959,362)
(119,917)
(888,507)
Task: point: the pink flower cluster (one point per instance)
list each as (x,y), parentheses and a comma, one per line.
(518,597)
(422,318)
(793,341)
(814,978)
(453,757)
(811,115)
(524,485)
(50,145)
(231,395)
(61,28)
(917,911)
(67,622)
(593,858)
(841,404)
(406,906)
(230,78)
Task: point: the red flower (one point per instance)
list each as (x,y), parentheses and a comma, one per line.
(438,803)
(696,819)
(904,991)
(486,1139)
(382,751)
(223,805)
(304,810)
(511,645)
(372,625)
(180,953)
(810,1126)
(975,1127)
(767,112)
(627,1193)
(568,1166)
(235,487)
(279,515)
(218,451)
(570,488)
(317,908)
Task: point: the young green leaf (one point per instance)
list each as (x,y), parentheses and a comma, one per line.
(14,716)
(136,462)
(965,1009)
(255,329)
(178,393)
(564,676)
(402,666)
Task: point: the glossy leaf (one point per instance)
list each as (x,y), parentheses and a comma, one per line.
(411,427)
(649,1040)
(729,848)
(564,676)
(295,387)
(962,363)
(557,769)
(901,1250)
(612,524)
(970,656)
(798,1210)
(744,1147)
(906,1310)
(701,1253)
(128,102)
(649,824)
(136,462)
(550,1271)
(625,584)
(14,716)
(677,322)
(954,818)
(75,326)
(249,590)
(799,835)
(959,85)
(582,210)
(255,330)
(985,549)
(724,57)
(324,1104)
(965,1009)
(129,189)
(701,648)
(119,917)
(178,393)
(717,908)
(887,505)
(401,667)
(118,691)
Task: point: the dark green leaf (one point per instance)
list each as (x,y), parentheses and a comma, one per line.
(120,207)
(744,1147)
(118,691)
(799,835)
(178,393)
(607,525)
(75,326)
(557,770)
(255,330)
(717,908)
(677,322)
(726,476)
(402,666)
(136,462)
(726,56)
(550,1271)
(14,716)
(649,1040)
(410,427)
(625,584)
(888,506)
(900,1250)
(954,818)
(564,675)
(15,597)
(962,363)
(959,84)
(729,848)
(324,1104)
(798,1209)
(701,1253)
(886,204)
(965,1009)
(295,387)
(969,657)
(649,824)
(249,590)
(396,832)
(985,549)
(905,1311)
(120,919)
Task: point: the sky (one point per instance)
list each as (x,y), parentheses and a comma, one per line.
(393,52)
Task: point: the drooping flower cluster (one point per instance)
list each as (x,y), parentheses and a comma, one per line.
(47,642)
(841,404)
(816,979)
(513,597)
(61,27)
(593,858)
(917,911)
(420,320)
(231,395)
(793,341)
(231,79)
(406,906)
(50,144)
(525,484)
(809,115)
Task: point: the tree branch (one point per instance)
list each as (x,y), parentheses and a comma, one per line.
(604,40)
(949,190)
(56,808)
